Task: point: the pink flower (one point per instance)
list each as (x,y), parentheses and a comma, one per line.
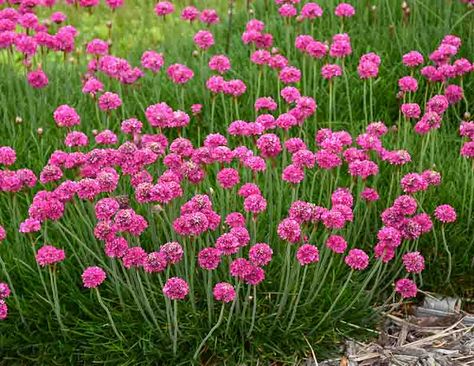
(152,61)
(4,290)
(438,104)
(290,74)
(7,155)
(109,101)
(307,254)
(330,71)
(414,262)
(173,252)
(412,59)
(66,116)
(240,267)
(255,275)
(311,11)
(260,254)
(369,194)
(408,84)
(367,70)
(176,288)
(37,79)
(97,47)
(413,182)
(92,86)
(179,74)
(163,8)
(3,310)
(406,287)
(289,230)
(93,277)
(190,13)
(219,63)
(156,262)
(209,16)
(445,213)
(76,138)
(204,39)
(224,292)
(287,10)
(344,10)
(269,145)
(209,258)
(228,178)
(336,243)
(293,174)
(410,110)
(255,203)
(454,93)
(357,259)
(227,244)
(48,255)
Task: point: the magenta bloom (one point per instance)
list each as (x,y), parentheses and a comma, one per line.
(330,71)
(290,74)
(163,8)
(255,203)
(156,262)
(260,254)
(48,255)
(307,254)
(152,61)
(173,252)
(224,292)
(97,47)
(134,257)
(204,39)
(93,277)
(66,116)
(414,262)
(228,178)
(190,13)
(3,310)
(405,287)
(369,194)
(4,290)
(357,259)
(209,16)
(176,288)
(445,214)
(109,101)
(37,79)
(7,155)
(412,59)
(410,110)
(179,74)
(336,243)
(209,258)
(228,244)
(219,63)
(344,10)
(289,230)
(311,11)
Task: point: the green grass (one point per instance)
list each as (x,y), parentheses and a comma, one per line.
(88,337)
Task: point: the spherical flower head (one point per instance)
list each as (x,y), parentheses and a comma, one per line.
(7,155)
(235,219)
(37,79)
(227,244)
(307,254)
(406,287)
(66,116)
(75,139)
(176,288)
(293,174)
(93,277)
(260,254)
(413,182)
(405,204)
(344,10)
(106,208)
(369,195)
(357,259)
(116,247)
(219,63)
(414,262)
(224,292)
(164,8)
(209,258)
(454,93)
(327,160)
(367,70)
(109,101)
(290,94)
(190,13)
(179,74)
(4,290)
(255,275)
(58,17)
(173,252)
(411,110)
(412,59)
(3,310)
(234,87)
(330,71)
(97,47)
(265,103)
(134,257)
(287,10)
(49,255)
(438,104)
(3,234)
(289,230)
(152,61)
(209,16)
(342,196)
(445,214)
(156,262)
(228,178)
(290,74)
(336,243)
(92,86)
(240,267)
(311,11)
(204,39)
(408,84)
(269,145)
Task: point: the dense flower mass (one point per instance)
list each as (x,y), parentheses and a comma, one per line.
(266,169)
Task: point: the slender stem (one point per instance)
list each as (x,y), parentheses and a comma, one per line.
(254,311)
(219,321)
(175,326)
(109,315)
(295,306)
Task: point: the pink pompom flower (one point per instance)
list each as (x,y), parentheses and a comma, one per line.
(176,288)
(49,255)
(224,292)
(357,259)
(93,277)
(109,101)
(307,254)
(445,213)
(344,10)
(406,287)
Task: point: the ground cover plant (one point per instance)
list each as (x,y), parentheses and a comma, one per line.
(228,182)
